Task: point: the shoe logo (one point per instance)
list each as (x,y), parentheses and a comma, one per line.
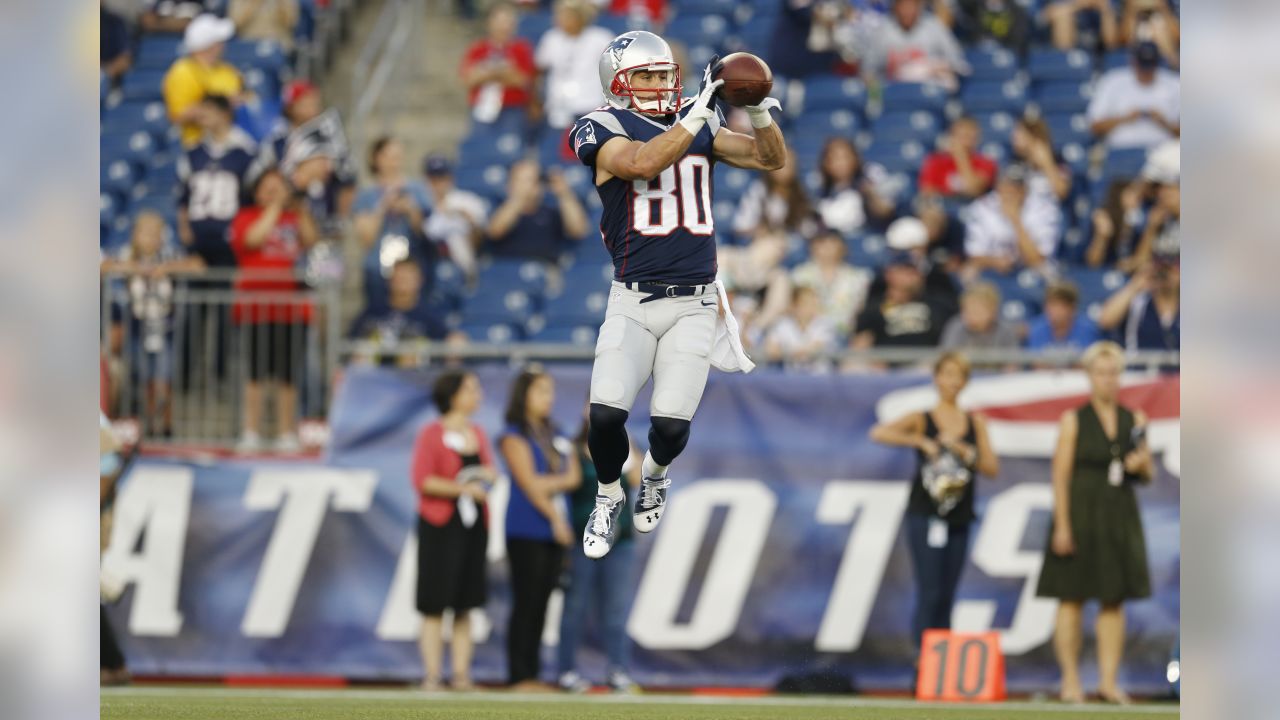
(708,303)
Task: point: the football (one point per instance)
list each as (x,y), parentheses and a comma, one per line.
(747,80)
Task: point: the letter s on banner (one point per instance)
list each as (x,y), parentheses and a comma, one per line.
(669,568)
(302,498)
(155,503)
(878,506)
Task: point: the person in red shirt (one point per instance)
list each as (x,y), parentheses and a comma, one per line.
(451,470)
(269,239)
(498,69)
(958,170)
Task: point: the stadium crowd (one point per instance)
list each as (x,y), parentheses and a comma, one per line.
(962,174)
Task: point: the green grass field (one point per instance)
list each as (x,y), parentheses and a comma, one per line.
(163,703)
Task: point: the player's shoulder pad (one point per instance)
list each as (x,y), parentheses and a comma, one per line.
(606,120)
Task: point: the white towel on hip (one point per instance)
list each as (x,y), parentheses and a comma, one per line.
(726,350)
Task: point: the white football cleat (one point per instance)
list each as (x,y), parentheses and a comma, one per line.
(602,527)
(652,501)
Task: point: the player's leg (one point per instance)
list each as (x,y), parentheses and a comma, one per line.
(624,361)
(680,370)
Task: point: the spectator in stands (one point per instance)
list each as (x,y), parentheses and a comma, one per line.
(1113,224)
(848,200)
(202,72)
(1096,548)
(1001,21)
(776,201)
(214,175)
(388,221)
(804,338)
(115,48)
(1062,327)
(979,325)
(273,20)
(1064,18)
(957,169)
(451,472)
(841,287)
(1152,21)
(605,585)
(526,226)
(641,14)
(1150,208)
(311,149)
(407,324)
(143,328)
(1160,176)
(1010,228)
(916,47)
(458,217)
(909,314)
(269,238)
(952,448)
(570,85)
(1137,106)
(910,236)
(804,38)
(173,16)
(1147,311)
(758,280)
(498,69)
(1032,144)
(538,530)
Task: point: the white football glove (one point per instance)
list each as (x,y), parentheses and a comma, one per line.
(704,107)
(759,114)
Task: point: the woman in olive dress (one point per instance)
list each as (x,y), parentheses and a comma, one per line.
(1096,548)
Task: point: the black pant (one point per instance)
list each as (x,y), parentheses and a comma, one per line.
(937,573)
(535,569)
(109,655)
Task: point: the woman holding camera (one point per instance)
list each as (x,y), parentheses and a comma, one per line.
(952,447)
(1096,547)
(452,470)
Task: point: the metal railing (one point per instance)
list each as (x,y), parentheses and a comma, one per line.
(186,352)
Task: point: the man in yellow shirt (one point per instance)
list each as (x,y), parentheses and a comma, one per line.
(202,72)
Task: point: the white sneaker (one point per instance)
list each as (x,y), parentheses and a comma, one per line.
(250,442)
(572,682)
(602,527)
(622,683)
(287,444)
(652,501)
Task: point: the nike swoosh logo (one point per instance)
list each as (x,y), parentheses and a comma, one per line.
(708,304)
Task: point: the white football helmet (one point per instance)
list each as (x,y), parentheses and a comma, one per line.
(635,51)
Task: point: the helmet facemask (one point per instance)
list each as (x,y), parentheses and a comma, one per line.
(663,100)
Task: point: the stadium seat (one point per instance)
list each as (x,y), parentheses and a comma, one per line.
(134,146)
(1016,311)
(130,116)
(498,306)
(731,183)
(1051,64)
(920,125)
(116,176)
(703,7)
(532,24)
(1059,97)
(1123,163)
(699,29)
(448,287)
(824,124)
(896,157)
(831,92)
(914,96)
(1009,96)
(996,126)
(492,332)
(501,275)
(107,208)
(488,181)
(157,51)
(996,150)
(577,305)
(866,250)
(553,149)
(992,64)
(591,251)
(1096,284)
(1069,128)
(1024,285)
(584,335)
(1076,157)
(143,84)
(589,276)
(755,33)
(617,24)
(264,55)
(489,144)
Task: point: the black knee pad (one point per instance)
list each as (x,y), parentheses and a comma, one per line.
(607,439)
(603,417)
(667,438)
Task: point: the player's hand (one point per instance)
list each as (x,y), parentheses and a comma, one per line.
(759,114)
(704,107)
(709,72)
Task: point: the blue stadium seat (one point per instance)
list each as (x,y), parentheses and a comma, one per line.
(731,182)
(116,176)
(699,29)
(699,56)
(831,92)
(553,148)
(896,157)
(157,51)
(1016,311)
(996,150)
(577,305)
(108,206)
(143,84)
(532,24)
(992,64)
(266,55)
(996,126)
(616,24)
(1076,157)
(1051,64)
(1123,163)
(591,251)
(866,250)
(134,146)
(130,116)
(755,34)
(920,125)
(488,181)
(914,96)
(498,306)
(493,332)
(1059,97)
(501,275)
(1025,285)
(1069,128)
(1009,96)
(449,286)
(511,120)
(487,145)
(584,335)
(588,276)
(1096,284)
(824,124)
(702,7)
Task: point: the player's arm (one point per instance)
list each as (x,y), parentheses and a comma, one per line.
(765,151)
(636,160)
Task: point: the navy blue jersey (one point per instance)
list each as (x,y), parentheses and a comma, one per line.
(214,181)
(659,230)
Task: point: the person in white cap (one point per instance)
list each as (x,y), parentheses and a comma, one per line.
(201,72)
(172,16)
(910,236)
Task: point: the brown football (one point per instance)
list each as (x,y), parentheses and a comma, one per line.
(747,80)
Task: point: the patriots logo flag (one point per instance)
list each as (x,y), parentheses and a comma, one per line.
(586,136)
(615,50)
